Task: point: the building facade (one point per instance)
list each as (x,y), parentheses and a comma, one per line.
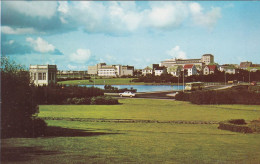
(204,60)
(147,70)
(102,69)
(159,71)
(209,69)
(43,74)
(191,69)
(174,70)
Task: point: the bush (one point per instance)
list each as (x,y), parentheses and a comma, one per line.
(78,101)
(237,127)
(103,100)
(39,127)
(229,96)
(58,94)
(17,101)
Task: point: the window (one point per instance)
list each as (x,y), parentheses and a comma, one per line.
(39,76)
(49,76)
(44,76)
(34,76)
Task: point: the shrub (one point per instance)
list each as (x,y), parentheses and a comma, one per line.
(39,127)
(103,100)
(17,101)
(77,101)
(237,127)
(229,96)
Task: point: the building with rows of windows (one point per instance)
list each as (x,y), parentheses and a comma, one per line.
(43,74)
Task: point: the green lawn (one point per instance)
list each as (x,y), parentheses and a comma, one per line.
(109,81)
(147,109)
(111,142)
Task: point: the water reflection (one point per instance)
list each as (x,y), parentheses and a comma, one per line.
(143,88)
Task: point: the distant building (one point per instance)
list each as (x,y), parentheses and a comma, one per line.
(159,71)
(174,70)
(191,69)
(245,65)
(147,70)
(102,69)
(107,72)
(229,68)
(43,74)
(209,69)
(127,71)
(205,60)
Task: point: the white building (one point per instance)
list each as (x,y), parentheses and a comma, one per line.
(207,59)
(147,70)
(102,69)
(159,71)
(174,70)
(107,72)
(43,74)
(204,60)
(191,69)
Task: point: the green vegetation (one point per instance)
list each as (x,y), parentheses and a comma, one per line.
(109,81)
(112,142)
(18,108)
(99,81)
(234,95)
(146,109)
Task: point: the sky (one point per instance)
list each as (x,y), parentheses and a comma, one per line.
(76,34)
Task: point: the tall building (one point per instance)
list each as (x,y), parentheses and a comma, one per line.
(102,69)
(205,60)
(43,74)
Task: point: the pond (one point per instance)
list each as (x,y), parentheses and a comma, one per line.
(143,88)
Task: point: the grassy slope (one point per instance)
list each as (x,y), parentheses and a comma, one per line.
(112,81)
(142,142)
(146,109)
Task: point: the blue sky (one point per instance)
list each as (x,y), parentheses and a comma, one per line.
(77,34)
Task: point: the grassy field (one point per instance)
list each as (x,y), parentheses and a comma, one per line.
(112,142)
(110,81)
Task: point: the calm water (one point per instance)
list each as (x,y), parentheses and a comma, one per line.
(143,88)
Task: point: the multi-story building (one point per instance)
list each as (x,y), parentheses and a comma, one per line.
(174,70)
(102,69)
(127,71)
(147,70)
(43,74)
(191,69)
(205,60)
(107,72)
(209,69)
(159,71)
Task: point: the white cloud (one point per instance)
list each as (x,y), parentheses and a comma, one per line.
(40,45)
(63,7)
(11,42)
(110,17)
(166,15)
(208,19)
(10,30)
(176,52)
(81,56)
(33,8)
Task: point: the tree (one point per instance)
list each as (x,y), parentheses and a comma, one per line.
(17,104)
